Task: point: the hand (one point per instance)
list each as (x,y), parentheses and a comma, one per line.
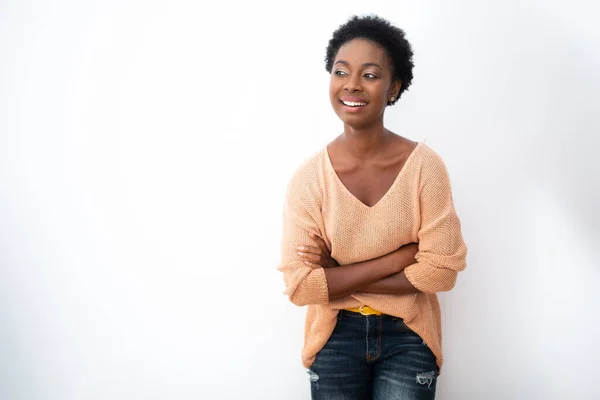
(317,256)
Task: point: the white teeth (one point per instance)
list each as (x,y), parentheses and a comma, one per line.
(353,104)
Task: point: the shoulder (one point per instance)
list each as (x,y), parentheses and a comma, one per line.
(309,171)
(307,179)
(428,155)
(431,170)
(429,161)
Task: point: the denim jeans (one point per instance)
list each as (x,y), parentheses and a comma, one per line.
(373,357)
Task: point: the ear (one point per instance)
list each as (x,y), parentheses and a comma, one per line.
(395,89)
(393,92)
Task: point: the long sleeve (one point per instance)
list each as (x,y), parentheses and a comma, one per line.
(304,284)
(442,251)
(418,207)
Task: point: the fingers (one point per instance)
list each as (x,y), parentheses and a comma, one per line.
(309,257)
(314,256)
(320,242)
(312,265)
(310,249)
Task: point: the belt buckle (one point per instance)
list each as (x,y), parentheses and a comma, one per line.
(362,311)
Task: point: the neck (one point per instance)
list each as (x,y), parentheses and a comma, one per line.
(366,142)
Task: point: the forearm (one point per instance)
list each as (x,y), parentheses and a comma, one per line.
(345,280)
(393,284)
(396,283)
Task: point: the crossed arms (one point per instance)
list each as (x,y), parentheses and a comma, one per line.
(431,266)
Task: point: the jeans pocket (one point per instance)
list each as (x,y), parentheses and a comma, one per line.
(400,325)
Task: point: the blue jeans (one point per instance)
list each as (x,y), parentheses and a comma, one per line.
(373,357)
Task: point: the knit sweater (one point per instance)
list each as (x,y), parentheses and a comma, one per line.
(417,208)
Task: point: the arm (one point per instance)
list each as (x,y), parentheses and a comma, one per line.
(442,251)
(396,283)
(304,284)
(432,264)
(345,280)
(393,284)
(308,282)
(343,285)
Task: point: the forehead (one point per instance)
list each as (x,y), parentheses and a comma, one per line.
(360,51)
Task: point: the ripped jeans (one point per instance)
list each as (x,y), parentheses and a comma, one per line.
(373,357)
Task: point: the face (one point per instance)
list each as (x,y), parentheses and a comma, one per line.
(361,83)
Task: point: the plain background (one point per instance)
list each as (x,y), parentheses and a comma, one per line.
(145,147)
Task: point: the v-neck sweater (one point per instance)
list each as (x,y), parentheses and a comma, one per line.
(417,208)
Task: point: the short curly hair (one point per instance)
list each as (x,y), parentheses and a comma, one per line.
(382,32)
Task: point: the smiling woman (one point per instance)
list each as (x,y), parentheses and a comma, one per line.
(371,233)
(362,81)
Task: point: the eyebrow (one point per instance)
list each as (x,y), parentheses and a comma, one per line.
(369,64)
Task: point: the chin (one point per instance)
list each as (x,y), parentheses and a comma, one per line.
(354,121)
(357,123)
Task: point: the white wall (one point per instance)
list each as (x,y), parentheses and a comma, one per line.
(144,152)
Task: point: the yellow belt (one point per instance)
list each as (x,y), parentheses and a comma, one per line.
(364,310)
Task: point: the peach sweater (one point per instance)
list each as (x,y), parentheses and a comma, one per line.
(417,208)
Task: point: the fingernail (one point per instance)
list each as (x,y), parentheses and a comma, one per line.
(300,253)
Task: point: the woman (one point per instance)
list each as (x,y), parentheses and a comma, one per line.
(371,233)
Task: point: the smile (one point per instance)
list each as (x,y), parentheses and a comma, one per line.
(353,103)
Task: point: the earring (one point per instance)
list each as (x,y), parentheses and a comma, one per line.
(392,99)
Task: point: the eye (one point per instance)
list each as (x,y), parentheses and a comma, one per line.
(369,75)
(340,73)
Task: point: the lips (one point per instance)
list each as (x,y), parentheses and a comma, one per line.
(353,101)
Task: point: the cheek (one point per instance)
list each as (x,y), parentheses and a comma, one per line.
(333,92)
(380,92)
(332,88)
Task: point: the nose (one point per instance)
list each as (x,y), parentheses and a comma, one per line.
(353,83)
